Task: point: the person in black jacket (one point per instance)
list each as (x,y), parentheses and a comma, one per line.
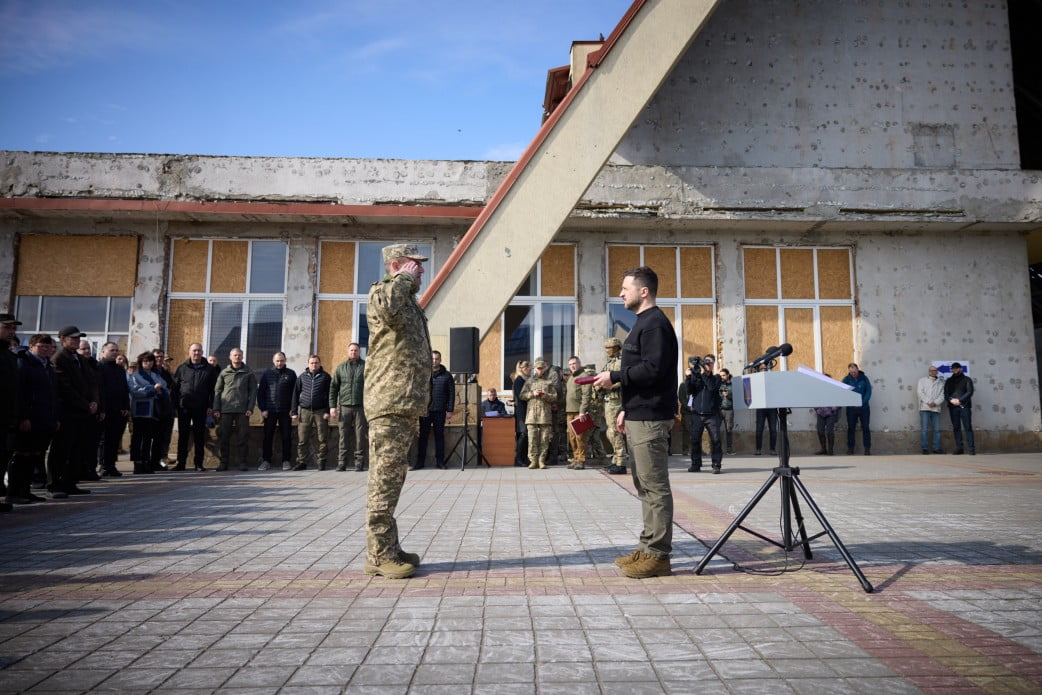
(115,407)
(958,394)
(703,388)
(274,399)
(523,370)
(8,397)
(649,403)
(165,416)
(443,402)
(192,394)
(38,415)
(310,408)
(78,395)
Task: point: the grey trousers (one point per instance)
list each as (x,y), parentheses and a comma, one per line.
(354,436)
(649,445)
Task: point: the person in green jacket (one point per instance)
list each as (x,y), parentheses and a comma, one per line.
(234,398)
(346,406)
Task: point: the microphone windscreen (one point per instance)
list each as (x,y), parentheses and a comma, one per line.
(785,348)
(770,349)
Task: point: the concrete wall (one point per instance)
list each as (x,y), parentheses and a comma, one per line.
(883,84)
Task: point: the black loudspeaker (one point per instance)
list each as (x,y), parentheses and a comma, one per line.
(463,350)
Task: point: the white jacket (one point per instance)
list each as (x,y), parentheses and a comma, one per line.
(931,390)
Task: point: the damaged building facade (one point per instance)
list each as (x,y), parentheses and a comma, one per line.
(844,177)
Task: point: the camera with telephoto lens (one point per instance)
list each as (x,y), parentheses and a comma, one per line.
(695,362)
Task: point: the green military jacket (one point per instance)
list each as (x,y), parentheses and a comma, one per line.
(398,364)
(578,396)
(347,388)
(236,390)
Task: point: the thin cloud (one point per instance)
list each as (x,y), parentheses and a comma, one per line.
(37,37)
(376,49)
(509,152)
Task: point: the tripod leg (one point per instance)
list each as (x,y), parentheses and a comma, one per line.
(736,523)
(800,526)
(835,539)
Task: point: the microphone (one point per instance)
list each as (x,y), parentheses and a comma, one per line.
(772,353)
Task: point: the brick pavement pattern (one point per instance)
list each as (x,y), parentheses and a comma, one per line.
(253,583)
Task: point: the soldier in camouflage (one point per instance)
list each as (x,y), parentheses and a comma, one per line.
(397,393)
(612,405)
(539,393)
(559,438)
(595,437)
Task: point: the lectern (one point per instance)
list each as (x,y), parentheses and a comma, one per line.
(803,388)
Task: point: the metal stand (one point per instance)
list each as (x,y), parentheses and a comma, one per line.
(466,430)
(790,483)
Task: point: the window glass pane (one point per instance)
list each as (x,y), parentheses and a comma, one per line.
(264,337)
(620,321)
(225,329)
(527,288)
(517,328)
(363,328)
(558,332)
(119,314)
(86,313)
(268,267)
(27,310)
(371,265)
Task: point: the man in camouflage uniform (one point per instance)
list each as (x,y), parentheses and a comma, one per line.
(539,393)
(595,437)
(612,405)
(397,393)
(577,406)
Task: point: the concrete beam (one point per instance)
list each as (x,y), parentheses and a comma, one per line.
(572,147)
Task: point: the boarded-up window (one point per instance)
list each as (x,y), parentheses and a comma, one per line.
(620,259)
(185,325)
(228,272)
(558,271)
(334,331)
(337,269)
(663,260)
(815,306)
(490,352)
(697,329)
(696,272)
(189,265)
(77,266)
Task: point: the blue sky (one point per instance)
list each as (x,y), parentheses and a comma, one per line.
(313,78)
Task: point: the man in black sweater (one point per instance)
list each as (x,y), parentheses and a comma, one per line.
(648,377)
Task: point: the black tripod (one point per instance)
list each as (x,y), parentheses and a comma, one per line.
(790,483)
(466,430)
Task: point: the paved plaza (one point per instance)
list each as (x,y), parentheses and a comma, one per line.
(253,583)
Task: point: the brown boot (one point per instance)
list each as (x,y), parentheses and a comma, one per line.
(629,559)
(648,566)
(392,569)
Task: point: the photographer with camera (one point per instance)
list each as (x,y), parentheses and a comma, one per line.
(703,388)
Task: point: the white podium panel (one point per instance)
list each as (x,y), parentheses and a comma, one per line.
(804,388)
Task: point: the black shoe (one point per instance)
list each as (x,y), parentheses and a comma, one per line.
(35,498)
(178,467)
(773,452)
(850,452)
(300,467)
(73,490)
(868,452)
(925,452)
(361,469)
(341,468)
(693,468)
(440,465)
(616,470)
(200,469)
(416,467)
(973,452)
(92,476)
(957,452)
(758,453)
(114,473)
(938,451)
(716,470)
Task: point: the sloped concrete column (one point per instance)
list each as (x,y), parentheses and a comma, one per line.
(7,252)
(301,282)
(146,331)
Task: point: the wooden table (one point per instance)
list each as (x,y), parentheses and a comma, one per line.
(497,440)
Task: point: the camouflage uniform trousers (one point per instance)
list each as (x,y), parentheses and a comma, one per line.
(390,438)
(539,440)
(559,437)
(617,439)
(595,438)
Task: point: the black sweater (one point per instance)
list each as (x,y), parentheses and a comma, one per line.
(649,368)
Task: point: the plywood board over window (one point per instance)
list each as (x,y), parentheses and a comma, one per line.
(77,266)
(337,267)
(834,273)
(797,273)
(761,329)
(489,352)
(334,331)
(558,271)
(799,332)
(188,273)
(620,259)
(837,339)
(184,326)
(663,260)
(696,272)
(697,327)
(228,271)
(761,274)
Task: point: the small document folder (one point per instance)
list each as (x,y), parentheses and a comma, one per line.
(579,425)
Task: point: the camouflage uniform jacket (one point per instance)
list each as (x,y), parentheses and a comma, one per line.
(578,398)
(596,398)
(613,395)
(539,412)
(398,364)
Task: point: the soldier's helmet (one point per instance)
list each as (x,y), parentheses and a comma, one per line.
(612,343)
(589,369)
(539,364)
(402,251)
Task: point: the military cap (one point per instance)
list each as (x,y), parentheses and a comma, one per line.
(612,343)
(402,251)
(10,319)
(540,364)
